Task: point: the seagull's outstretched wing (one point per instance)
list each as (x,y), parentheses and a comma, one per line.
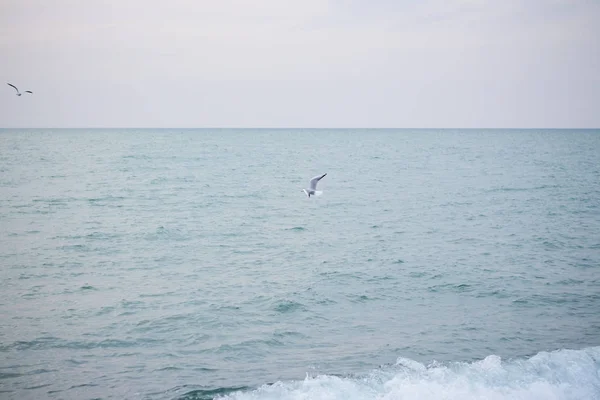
(28,91)
(315,180)
(14,87)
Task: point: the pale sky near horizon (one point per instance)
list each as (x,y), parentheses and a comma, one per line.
(309,63)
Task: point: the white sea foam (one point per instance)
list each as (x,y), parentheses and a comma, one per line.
(559,375)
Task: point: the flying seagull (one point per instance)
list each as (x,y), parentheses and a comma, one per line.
(313,185)
(18,93)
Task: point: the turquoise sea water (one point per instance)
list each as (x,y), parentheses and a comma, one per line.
(189,264)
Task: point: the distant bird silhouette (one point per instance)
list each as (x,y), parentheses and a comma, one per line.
(18,93)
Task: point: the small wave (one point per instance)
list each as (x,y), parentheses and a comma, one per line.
(74,247)
(523,189)
(137,157)
(559,375)
(452,288)
(296,229)
(101,236)
(45,343)
(162,233)
(247,348)
(97,200)
(82,385)
(288,306)
(363,298)
(9,375)
(289,334)
(207,394)
(326,302)
(42,385)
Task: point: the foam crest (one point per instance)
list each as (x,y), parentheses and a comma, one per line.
(559,375)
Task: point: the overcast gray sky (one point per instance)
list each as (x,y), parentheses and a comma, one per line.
(306,63)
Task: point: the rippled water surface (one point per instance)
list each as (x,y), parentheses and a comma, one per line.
(188,264)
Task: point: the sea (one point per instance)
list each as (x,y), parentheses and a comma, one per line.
(188,264)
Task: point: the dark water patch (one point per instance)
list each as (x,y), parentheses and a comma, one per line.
(232,234)
(463,287)
(243,251)
(55,201)
(288,306)
(289,334)
(34,292)
(96,200)
(87,287)
(165,324)
(67,237)
(381,278)
(207,394)
(43,385)
(195,339)
(132,304)
(326,302)
(586,263)
(553,245)
(568,282)
(363,298)
(296,229)
(399,261)
(127,313)
(56,343)
(75,362)
(522,189)
(464,241)
(19,206)
(115,343)
(342,275)
(126,354)
(102,236)
(451,287)
(137,157)
(24,276)
(168,368)
(224,307)
(9,375)
(40,371)
(522,301)
(75,247)
(256,348)
(162,233)
(499,294)
(83,385)
(144,295)
(204,369)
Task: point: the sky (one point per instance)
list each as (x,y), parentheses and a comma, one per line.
(305,63)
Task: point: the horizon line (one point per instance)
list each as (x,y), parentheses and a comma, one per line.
(298,128)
